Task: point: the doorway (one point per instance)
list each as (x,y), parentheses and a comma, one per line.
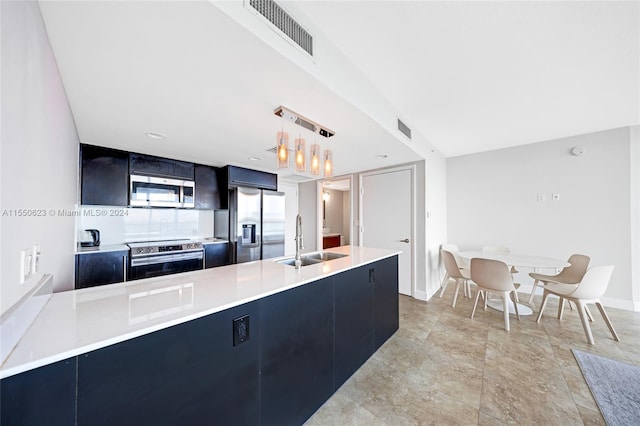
(387,214)
(335,217)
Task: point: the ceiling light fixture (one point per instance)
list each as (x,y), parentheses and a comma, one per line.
(328,163)
(255,158)
(315,159)
(282,151)
(282,148)
(154,135)
(381,156)
(301,164)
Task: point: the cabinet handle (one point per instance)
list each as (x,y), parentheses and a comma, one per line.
(124,268)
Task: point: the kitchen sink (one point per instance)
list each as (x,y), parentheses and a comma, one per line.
(324,255)
(305,261)
(312,258)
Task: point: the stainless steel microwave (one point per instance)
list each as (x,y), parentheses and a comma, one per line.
(150,191)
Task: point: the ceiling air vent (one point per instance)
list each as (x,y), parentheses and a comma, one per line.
(285,23)
(404,129)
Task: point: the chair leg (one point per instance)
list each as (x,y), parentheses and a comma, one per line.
(473,312)
(560,308)
(443,285)
(586,308)
(545,295)
(505,305)
(515,304)
(455,295)
(533,291)
(607,320)
(585,321)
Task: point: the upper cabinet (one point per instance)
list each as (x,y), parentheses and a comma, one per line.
(239,176)
(140,164)
(104,176)
(207,191)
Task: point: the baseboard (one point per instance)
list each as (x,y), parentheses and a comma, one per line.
(627,305)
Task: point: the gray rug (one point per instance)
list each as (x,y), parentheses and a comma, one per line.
(615,386)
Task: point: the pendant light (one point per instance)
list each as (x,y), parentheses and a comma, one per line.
(328,163)
(315,159)
(299,155)
(282,152)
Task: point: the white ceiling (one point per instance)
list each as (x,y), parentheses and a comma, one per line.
(468,76)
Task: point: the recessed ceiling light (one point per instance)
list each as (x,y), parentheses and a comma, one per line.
(255,158)
(154,135)
(381,156)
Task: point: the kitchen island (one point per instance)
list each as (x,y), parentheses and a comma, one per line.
(253,343)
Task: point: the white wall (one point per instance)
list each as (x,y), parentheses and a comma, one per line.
(39,154)
(434,178)
(493,199)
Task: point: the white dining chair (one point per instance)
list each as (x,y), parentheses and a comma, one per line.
(589,290)
(462,264)
(502,250)
(494,276)
(460,276)
(572,274)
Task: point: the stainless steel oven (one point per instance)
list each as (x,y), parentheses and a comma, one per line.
(152,259)
(149,191)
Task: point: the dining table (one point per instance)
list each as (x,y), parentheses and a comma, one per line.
(519,261)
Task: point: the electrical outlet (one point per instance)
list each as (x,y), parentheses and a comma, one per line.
(35,263)
(25,265)
(240,330)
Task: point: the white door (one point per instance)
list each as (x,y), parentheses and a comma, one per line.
(386,212)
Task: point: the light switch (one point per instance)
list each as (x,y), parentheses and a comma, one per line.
(556,196)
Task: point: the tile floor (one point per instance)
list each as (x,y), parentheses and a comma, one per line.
(442,368)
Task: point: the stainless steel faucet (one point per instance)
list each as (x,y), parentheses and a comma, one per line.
(299,242)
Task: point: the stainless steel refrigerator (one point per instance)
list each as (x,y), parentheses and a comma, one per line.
(256,224)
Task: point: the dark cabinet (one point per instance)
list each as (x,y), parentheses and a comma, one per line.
(273,361)
(216,254)
(101,268)
(233,176)
(104,176)
(43,396)
(207,192)
(297,353)
(353,320)
(188,374)
(141,164)
(386,313)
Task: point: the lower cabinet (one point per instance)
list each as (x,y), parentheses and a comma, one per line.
(189,374)
(43,396)
(386,313)
(353,321)
(273,361)
(101,268)
(216,254)
(297,353)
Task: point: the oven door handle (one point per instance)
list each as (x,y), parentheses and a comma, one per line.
(152,260)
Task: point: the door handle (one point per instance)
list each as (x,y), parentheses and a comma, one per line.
(406,240)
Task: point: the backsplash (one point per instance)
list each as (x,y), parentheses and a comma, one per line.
(119,225)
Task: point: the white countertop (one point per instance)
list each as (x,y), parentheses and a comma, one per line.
(79,321)
(101,248)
